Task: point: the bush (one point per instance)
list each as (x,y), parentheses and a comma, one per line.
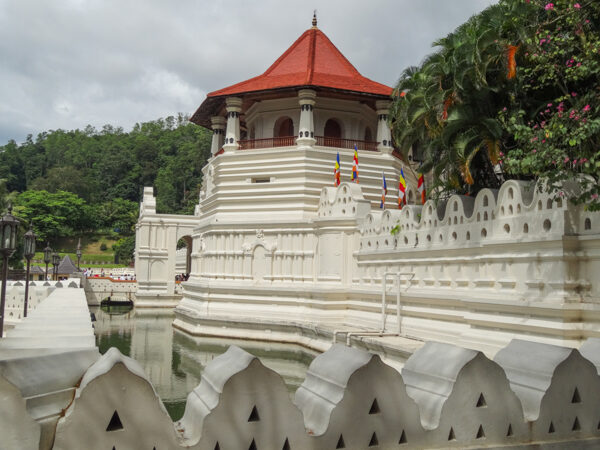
(103,247)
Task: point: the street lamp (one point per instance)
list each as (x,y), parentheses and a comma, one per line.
(47,257)
(78,253)
(28,252)
(8,242)
(55,263)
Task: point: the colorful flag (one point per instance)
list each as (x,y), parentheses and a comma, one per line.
(336,171)
(355,165)
(383,192)
(401,189)
(421,187)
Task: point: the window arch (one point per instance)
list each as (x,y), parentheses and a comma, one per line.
(284,126)
(333,133)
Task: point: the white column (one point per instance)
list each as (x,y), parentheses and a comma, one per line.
(306,130)
(384,135)
(218,127)
(232,135)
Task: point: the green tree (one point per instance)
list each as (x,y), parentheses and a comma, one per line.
(54,215)
(510,93)
(124,248)
(119,215)
(553,118)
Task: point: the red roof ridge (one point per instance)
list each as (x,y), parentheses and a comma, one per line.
(310,69)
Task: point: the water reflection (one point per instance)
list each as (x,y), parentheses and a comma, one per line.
(174,361)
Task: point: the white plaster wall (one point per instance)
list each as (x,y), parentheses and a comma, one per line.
(529,273)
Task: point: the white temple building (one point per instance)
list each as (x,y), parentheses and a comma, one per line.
(277,252)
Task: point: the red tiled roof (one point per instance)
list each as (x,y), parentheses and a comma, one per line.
(312,60)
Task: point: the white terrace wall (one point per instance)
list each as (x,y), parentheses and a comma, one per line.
(156,253)
(478,272)
(446,397)
(513,262)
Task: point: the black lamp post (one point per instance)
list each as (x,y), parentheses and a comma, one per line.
(8,242)
(28,252)
(55,263)
(78,253)
(47,257)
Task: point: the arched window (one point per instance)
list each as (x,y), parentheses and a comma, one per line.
(333,133)
(283,127)
(411,197)
(368,135)
(333,129)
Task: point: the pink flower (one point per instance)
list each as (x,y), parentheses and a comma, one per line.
(595,196)
(549,6)
(576,6)
(574,161)
(573,94)
(534,151)
(566,159)
(586,108)
(549,105)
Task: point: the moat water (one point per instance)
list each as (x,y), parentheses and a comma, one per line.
(174,360)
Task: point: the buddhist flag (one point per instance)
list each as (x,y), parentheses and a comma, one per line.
(383,192)
(401,189)
(421,187)
(336,171)
(355,165)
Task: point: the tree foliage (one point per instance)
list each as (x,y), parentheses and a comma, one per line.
(513,92)
(108,164)
(123,249)
(54,215)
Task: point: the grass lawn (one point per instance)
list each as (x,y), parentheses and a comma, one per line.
(92,255)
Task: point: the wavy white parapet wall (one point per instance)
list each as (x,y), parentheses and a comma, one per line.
(445,397)
(518,211)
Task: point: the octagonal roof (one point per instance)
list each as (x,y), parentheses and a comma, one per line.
(312,61)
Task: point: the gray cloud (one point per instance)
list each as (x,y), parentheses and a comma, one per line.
(69,63)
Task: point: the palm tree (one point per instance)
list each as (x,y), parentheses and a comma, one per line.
(451,102)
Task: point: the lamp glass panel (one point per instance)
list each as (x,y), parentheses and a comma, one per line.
(29,245)
(6,236)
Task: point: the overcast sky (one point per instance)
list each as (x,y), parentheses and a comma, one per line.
(69,63)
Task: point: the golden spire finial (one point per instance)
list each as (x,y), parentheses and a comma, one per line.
(314,21)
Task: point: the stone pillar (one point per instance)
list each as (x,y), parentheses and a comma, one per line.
(384,135)
(218,127)
(306,130)
(232,135)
